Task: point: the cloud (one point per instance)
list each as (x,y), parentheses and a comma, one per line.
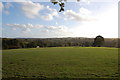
(6,12)
(30,9)
(47,31)
(86,1)
(24,27)
(83,15)
(84,11)
(1,6)
(20,0)
(53,13)
(106,24)
(33,10)
(8,5)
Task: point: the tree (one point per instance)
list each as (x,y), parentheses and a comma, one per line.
(61,3)
(98,41)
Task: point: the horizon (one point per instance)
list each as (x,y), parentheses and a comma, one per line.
(83,19)
(54,37)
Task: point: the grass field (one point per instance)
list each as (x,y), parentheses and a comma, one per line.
(61,62)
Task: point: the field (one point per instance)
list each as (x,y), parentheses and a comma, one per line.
(61,62)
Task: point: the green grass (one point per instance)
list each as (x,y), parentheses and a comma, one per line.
(61,62)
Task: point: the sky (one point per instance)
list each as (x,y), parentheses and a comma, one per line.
(87,18)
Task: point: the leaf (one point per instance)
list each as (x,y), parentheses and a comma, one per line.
(62,9)
(62,4)
(55,2)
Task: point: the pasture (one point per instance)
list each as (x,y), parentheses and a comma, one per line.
(61,62)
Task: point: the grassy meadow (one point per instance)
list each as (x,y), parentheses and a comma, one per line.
(61,62)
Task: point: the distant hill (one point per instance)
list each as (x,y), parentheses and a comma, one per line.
(10,43)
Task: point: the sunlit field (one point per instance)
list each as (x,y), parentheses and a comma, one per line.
(61,62)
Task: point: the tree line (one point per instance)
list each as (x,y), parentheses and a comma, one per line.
(14,43)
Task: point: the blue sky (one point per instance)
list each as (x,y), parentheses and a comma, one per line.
(42,19)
